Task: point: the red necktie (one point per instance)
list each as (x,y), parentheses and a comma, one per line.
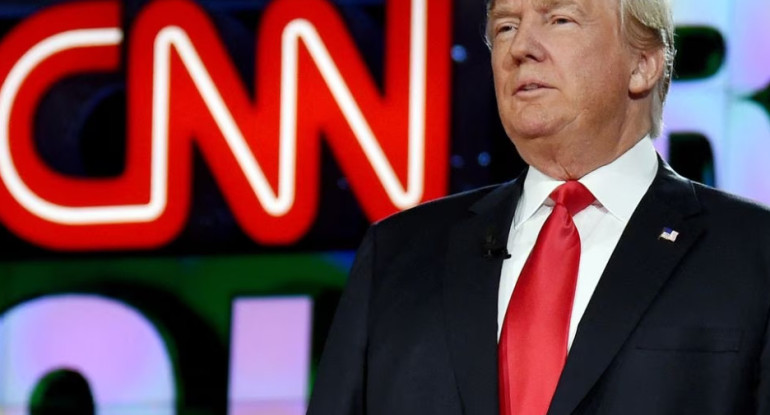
(533,343)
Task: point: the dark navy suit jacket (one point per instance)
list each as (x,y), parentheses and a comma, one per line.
(672,328)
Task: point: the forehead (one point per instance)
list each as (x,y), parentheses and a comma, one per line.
(496,5)
(605,13)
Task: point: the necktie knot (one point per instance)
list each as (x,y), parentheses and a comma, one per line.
(572,195)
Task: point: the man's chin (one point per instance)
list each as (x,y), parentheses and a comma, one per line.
(533,132)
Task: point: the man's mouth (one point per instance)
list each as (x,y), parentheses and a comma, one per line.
(531,86)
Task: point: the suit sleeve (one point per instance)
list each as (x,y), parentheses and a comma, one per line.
(763,388)
(339,388)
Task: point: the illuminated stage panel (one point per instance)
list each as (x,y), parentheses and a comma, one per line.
(236,329)
(269,356)
(116,350)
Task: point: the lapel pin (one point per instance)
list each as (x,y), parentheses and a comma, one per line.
(668,234)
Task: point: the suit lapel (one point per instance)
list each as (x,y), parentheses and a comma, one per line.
(639,266)
(470,296)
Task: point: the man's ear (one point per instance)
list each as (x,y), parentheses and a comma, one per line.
(647,72)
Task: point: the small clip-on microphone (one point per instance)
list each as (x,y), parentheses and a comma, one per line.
(494,251)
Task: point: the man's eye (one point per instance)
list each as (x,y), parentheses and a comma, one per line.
(505,28)
(561,20)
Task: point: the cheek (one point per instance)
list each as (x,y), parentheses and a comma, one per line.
(502,89)
(601,79)
(499,73)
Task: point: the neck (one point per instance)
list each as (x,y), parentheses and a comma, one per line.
(572,157)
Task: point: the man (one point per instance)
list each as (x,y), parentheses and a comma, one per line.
(658,288)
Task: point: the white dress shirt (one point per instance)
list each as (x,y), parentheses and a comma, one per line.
(618,188)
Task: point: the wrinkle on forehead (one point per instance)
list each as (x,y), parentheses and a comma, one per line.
(496,8)
(554,4)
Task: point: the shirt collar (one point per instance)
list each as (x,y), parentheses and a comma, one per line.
(635,169)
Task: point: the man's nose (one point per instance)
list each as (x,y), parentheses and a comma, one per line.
(526,45)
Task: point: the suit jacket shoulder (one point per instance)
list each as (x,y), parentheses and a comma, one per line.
(718,202)
(430,224)
(739,223)
(437,212)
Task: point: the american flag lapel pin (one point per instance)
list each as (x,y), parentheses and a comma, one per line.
(668,234)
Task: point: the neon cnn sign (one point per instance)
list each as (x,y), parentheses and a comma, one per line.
(264,153)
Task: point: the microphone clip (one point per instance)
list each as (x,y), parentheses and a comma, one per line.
(497,253)
(494,251)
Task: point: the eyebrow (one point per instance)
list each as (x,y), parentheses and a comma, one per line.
(498,11)
(501,11)
(550,5)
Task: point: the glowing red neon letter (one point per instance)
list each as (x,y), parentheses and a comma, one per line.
(183,89)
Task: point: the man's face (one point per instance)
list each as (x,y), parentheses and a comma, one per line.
(562,70)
